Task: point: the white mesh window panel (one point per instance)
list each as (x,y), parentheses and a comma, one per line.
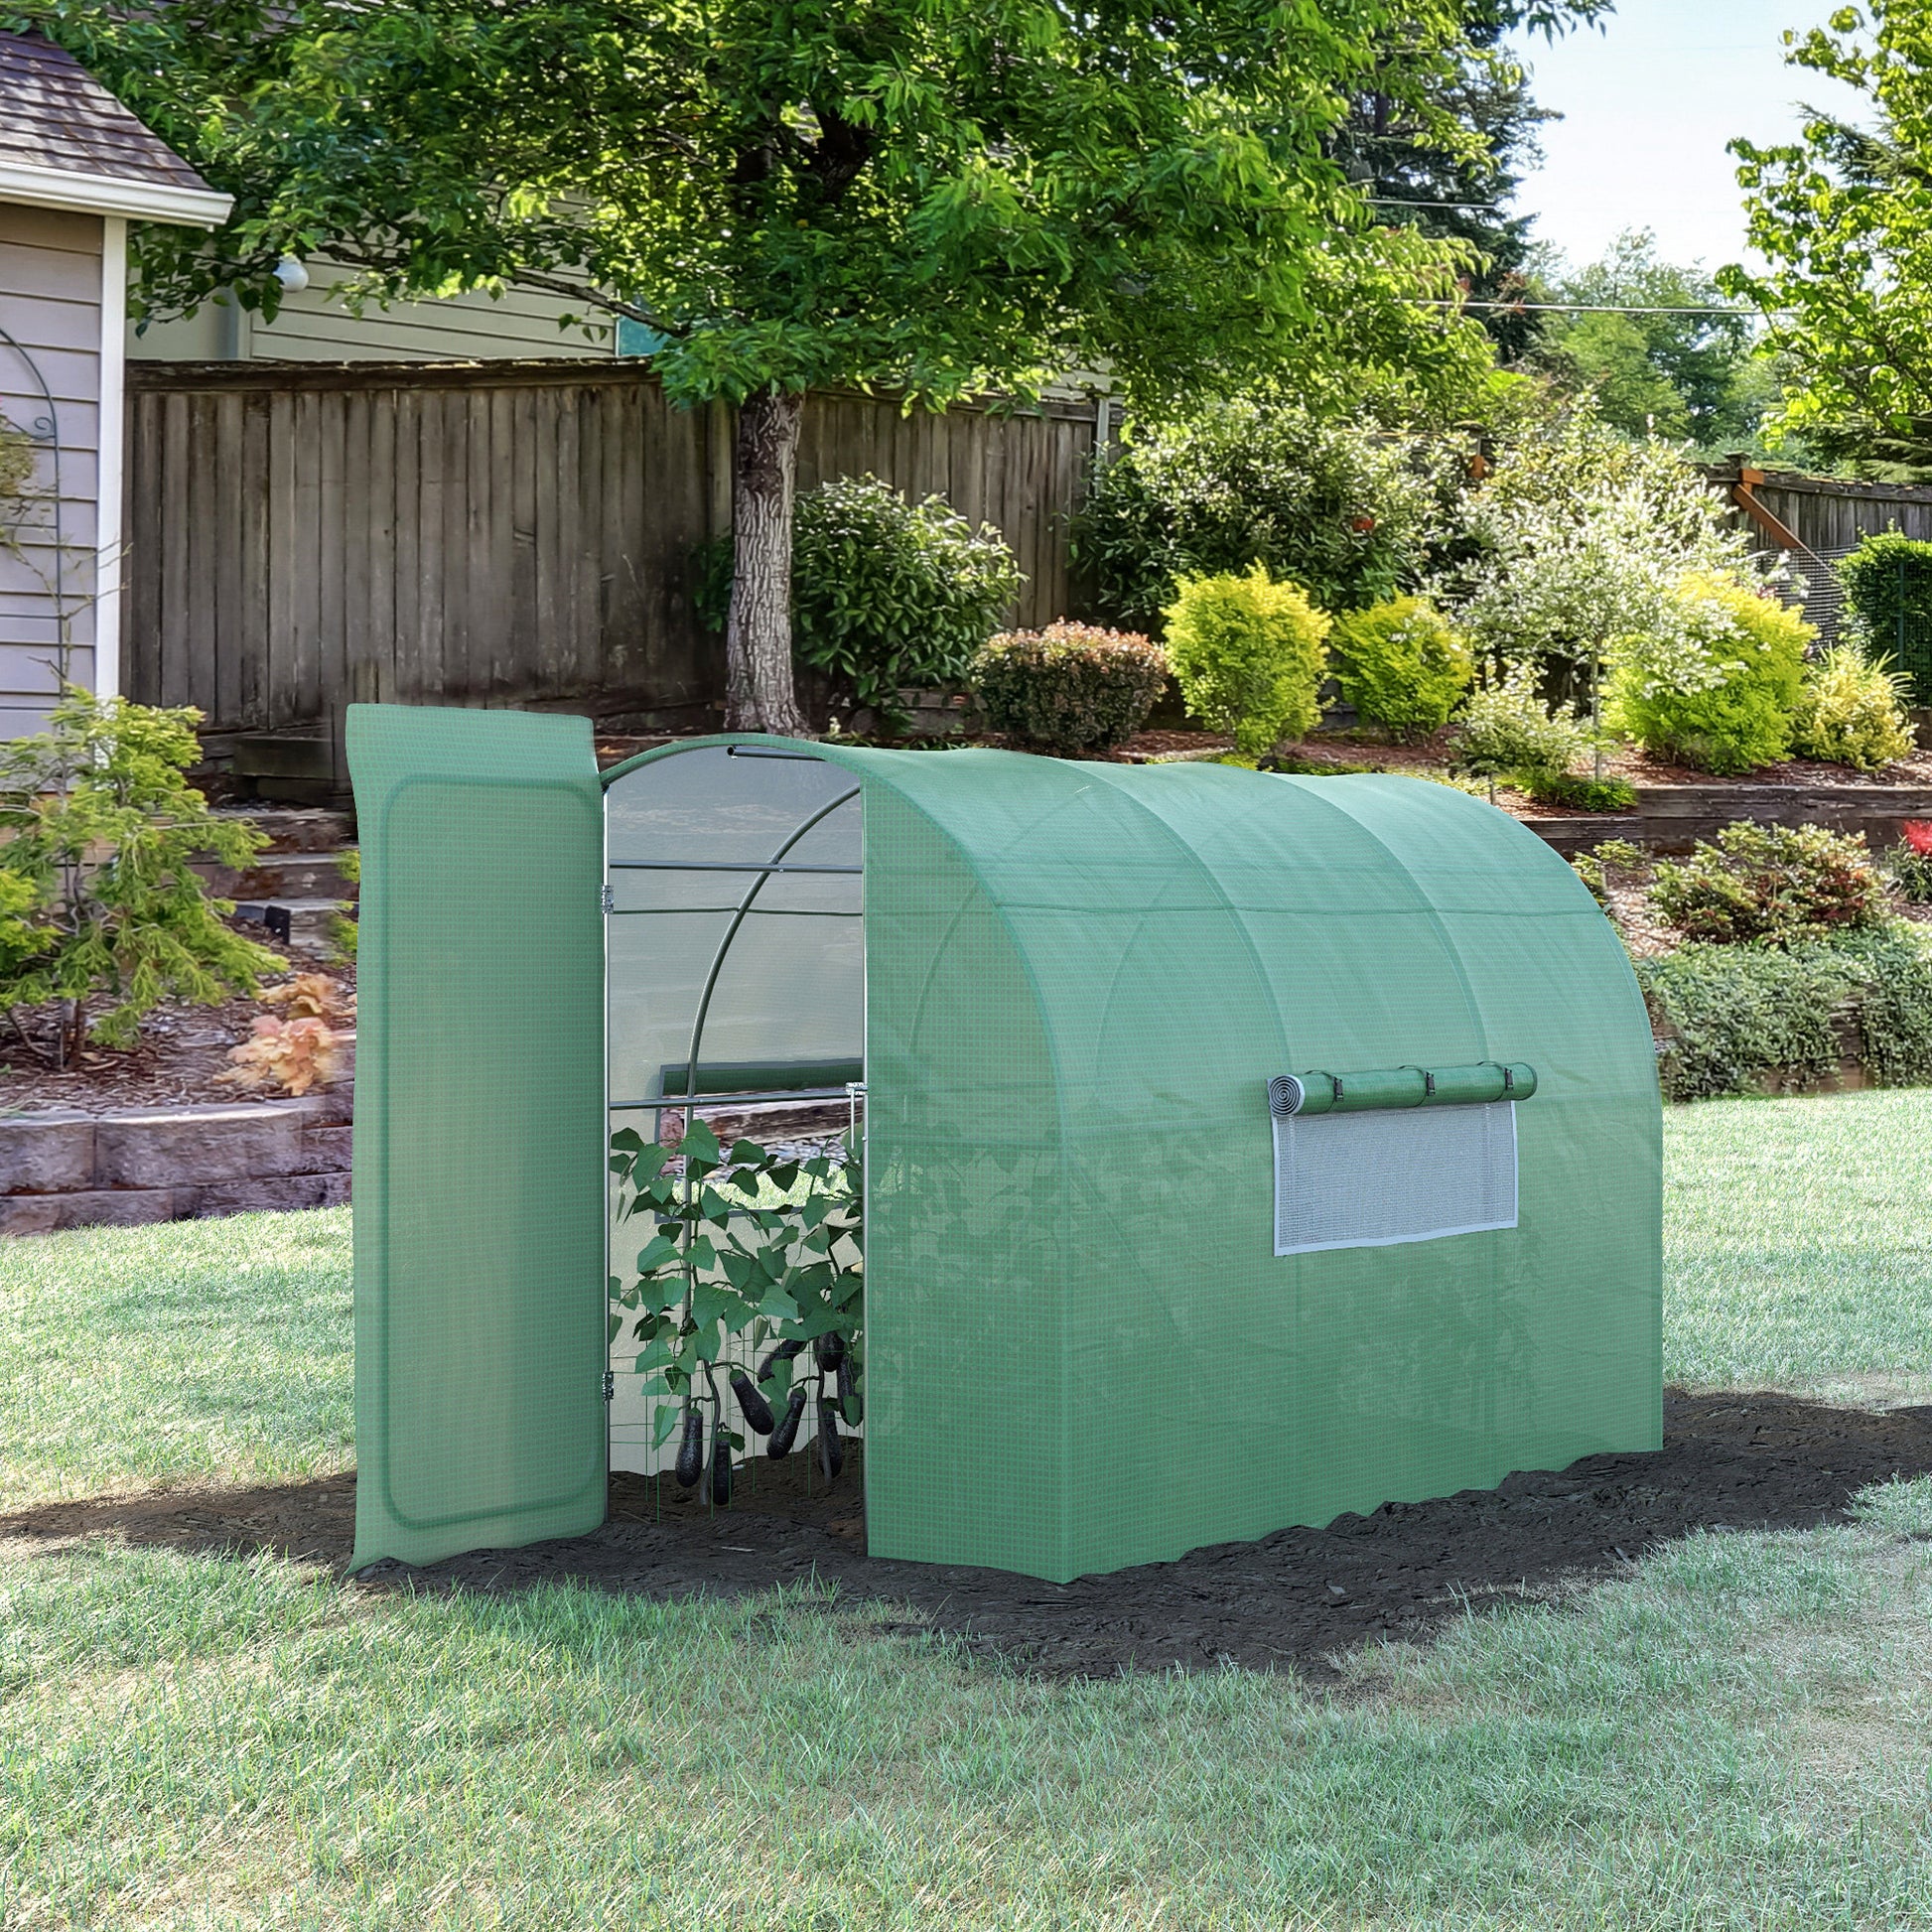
(1372,1180)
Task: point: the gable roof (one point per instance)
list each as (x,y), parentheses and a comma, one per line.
(66,142)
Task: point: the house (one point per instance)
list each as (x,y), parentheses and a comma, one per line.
(75,166)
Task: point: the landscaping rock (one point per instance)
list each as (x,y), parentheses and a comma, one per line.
(89,1209)
(197,1145)
(42,1153)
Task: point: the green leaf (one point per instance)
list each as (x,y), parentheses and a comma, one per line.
(662,1423)
(699,1142)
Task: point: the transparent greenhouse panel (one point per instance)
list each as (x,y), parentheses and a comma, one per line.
(736,893)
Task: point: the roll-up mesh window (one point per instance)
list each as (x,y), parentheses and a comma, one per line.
(1376,1179)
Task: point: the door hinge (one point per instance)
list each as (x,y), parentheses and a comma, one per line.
(606,900)
(610,1385)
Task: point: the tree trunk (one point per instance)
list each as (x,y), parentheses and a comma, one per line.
(758,693)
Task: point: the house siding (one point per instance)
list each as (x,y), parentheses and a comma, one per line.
(51,305)
(314,327)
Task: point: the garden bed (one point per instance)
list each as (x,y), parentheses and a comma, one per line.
(1295,1600)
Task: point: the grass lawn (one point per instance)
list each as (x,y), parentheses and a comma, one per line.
(1738,1735)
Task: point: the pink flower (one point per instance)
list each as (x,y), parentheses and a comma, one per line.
(1918,835)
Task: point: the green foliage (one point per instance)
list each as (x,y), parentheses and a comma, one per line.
(1842,222)
(1249,654)
(1580,794)
(1908,867)
(101,904)
(1069,687)
(1888,583)
(1731,1015)
(1720,689)
(1505,726)
(1401,665)
(886,593)
(344,923)
(1673,369)
(1344,508)
(1597,865)
(1850,711)
(935,194)
(1581,537)
(1778,884)
(738,1241)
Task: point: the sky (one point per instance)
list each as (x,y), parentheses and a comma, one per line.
(1648,103)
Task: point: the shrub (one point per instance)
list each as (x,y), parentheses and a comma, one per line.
(1249,654)
(1720,691)
(1850,711)
(102,904)
(1909,865)
(1401,665)
(1347,510)
(1070,686)
(1506,726)
(1888,583)
(1597,866)
(1775,882)
(1580,794)
(886,593)
(1731,1013)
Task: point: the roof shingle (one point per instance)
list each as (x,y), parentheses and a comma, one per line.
(55,114)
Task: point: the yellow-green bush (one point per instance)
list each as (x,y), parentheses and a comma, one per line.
(1249,654)
(1401,665)
(1851,711)
(1720,690)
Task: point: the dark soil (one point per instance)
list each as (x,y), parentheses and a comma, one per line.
(1295,1600)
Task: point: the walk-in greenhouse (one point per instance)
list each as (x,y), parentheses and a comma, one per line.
(1238,1150)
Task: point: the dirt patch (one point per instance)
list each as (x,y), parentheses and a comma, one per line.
(1293,1600)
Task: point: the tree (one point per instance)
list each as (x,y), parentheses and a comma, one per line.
(939,196)
(1454,189)
(1843,219)
(1671,369)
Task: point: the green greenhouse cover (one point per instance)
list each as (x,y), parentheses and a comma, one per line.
(1117,1304)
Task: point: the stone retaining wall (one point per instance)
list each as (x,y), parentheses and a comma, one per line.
(119,1169)
(1671,819)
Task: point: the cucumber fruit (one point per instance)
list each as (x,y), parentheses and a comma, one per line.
(690,1449)
(721,1470)
(830,1350)
(848,1393)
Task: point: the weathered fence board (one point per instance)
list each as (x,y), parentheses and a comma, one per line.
(302,536)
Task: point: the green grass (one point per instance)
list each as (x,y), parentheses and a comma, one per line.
(1738,1735)
(1798,1245)
(197,1351)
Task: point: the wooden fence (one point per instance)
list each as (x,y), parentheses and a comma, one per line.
(304,536)
(1824,517)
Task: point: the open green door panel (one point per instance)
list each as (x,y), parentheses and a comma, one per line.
(479,1286)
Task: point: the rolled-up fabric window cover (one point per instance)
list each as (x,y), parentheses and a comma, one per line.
(1320,1092)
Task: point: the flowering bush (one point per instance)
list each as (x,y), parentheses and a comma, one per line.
(1717,686)
(1401,665)
(1583,537)
(1070,686)
(1774,882)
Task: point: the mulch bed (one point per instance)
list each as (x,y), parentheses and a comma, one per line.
(173,1065)
(1295,1600)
